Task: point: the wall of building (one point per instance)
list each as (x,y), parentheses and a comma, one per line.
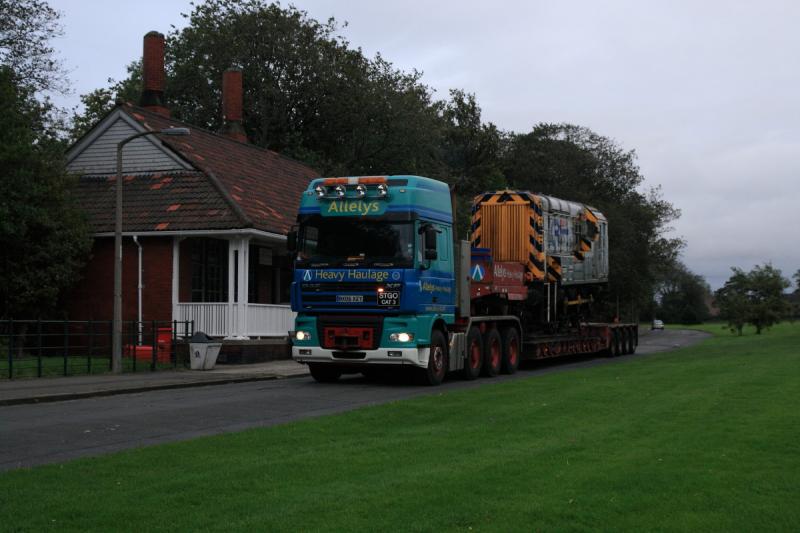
(93,297)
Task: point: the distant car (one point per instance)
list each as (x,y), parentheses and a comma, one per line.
(657,324)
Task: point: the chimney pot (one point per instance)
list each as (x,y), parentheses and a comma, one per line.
(153,77)
(232,105)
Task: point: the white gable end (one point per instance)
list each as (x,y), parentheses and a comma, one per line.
(97,153)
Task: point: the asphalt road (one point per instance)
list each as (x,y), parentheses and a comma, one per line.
(45,433)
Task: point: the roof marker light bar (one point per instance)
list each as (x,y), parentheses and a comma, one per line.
(372,180)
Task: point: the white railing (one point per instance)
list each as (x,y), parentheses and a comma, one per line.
(265,320)
(221,319)
(211,318)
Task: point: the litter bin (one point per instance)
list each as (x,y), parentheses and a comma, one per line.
(203,351)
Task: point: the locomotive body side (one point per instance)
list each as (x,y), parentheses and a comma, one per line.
(557,241)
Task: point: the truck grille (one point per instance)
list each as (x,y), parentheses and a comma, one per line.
(349,332)
(349,295)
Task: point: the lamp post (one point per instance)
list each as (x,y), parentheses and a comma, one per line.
(116,338)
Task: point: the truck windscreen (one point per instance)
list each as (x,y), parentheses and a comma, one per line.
(343,241)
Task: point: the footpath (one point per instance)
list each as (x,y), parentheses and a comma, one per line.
(35,390)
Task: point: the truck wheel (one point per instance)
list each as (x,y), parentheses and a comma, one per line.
(510,350)
(623,341)
(628,341)
(437,360)
(492,353)
(615,342)
(635,331)
(324,373)
(474,362)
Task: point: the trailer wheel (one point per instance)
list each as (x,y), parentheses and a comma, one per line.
(627,341)
(474,362)
(615,343)
(324,373)
(510,350)
(492,353)
(635,332)
(437,360)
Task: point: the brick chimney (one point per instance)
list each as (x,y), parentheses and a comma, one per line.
(232,105)
(153,77)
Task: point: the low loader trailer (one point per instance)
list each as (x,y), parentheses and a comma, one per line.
(381,280)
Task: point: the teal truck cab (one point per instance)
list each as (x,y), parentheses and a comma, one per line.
(374,278)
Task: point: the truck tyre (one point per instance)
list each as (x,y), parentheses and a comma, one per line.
(629,338)
(511,350)
(623,341)
(474,361)
(635,331)
(492,353)
(324,373)
(437,360)
(615,342)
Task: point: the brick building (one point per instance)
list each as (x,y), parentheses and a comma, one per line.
(205,216)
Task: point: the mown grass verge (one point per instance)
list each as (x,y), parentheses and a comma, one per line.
(705,438)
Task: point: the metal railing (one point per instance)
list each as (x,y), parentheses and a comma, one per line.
(39,348)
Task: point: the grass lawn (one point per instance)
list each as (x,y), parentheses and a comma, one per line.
(706,438)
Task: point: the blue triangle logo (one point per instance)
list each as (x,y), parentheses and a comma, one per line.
(307,276)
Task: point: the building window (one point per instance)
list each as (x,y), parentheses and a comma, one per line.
(209,270)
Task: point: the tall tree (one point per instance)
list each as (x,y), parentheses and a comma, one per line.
(44,239)
(27,28)
(754,297)
(575,163)
(682,295)
(471,153)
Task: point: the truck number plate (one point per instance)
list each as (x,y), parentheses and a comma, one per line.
(349,298)
(389,298)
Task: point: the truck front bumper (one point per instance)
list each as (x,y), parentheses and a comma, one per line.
(417,356)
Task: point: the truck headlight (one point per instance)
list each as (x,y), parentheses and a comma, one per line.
(401,337)
(303,335)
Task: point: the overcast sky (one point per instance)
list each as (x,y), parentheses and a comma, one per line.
(705,92)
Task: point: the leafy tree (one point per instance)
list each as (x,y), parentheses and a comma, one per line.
(44,239)
(682,295)
(26,29)
(575,163)
(754,297)
(471,153)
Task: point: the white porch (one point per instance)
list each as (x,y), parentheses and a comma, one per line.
(254,267)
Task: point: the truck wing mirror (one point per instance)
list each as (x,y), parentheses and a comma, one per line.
(291,240)
(430,242)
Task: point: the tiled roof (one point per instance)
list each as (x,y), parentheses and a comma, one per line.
(154,202)
(263,186)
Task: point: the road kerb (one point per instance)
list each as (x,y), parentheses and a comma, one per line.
(67,396)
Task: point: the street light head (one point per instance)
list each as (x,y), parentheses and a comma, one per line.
(175,131)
